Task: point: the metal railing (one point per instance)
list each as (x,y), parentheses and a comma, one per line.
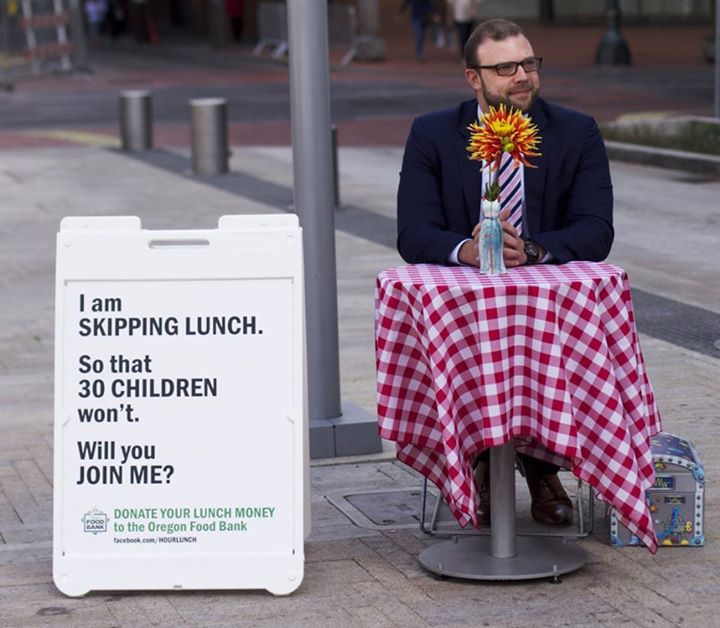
(273,30)
(13,44)
(584,508)
(342,30)
(35,37)
(46,30)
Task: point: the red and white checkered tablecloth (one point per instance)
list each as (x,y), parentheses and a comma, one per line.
(546,354)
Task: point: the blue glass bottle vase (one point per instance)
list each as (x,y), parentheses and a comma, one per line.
(490,241)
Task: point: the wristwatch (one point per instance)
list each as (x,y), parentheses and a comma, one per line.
(532,252)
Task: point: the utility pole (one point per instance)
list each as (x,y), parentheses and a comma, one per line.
(547,11)
(613,49)
(79,37)
(717,58)
(370,46)
(218,24)
(335,430)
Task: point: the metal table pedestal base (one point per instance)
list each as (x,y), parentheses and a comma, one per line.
(470,558)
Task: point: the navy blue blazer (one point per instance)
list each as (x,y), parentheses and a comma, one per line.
(568,196)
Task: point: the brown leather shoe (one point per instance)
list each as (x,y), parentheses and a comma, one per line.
(482,482)
(550,503)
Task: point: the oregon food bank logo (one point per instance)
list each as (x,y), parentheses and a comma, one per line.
(95,521)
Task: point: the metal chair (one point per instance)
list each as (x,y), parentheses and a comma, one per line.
(583,527)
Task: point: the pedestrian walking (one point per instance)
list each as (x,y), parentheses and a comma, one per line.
(95,12)
(463,13)
(145,29)
(235,10)
(115,18)
(421,16)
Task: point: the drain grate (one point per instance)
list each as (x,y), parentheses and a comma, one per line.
(394,509)
(383,509)
(684,325)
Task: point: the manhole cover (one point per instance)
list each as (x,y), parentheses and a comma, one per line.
(388,509)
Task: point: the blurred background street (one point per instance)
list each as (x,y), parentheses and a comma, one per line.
(372,103)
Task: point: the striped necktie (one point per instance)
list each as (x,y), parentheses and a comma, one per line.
(511,192)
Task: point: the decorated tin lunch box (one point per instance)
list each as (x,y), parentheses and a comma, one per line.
(676,498)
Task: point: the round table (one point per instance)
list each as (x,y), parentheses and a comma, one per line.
(546,356)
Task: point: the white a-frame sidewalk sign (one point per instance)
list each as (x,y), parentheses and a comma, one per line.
(180,430)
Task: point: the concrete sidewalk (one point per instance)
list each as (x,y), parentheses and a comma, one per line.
(355,576)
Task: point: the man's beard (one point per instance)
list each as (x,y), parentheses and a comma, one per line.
(494,100)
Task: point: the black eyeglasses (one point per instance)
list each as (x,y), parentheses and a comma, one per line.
(510,68)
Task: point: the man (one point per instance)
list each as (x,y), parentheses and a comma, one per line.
(421,14)
(235,10)
(565,201)
(463,15)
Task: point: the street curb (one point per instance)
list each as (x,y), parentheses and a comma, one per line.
(696,163)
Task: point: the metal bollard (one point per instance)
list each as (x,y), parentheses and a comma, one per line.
(209,135)
(136,120)
(336,166)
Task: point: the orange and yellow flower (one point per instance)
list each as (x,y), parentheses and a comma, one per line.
(503,131)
